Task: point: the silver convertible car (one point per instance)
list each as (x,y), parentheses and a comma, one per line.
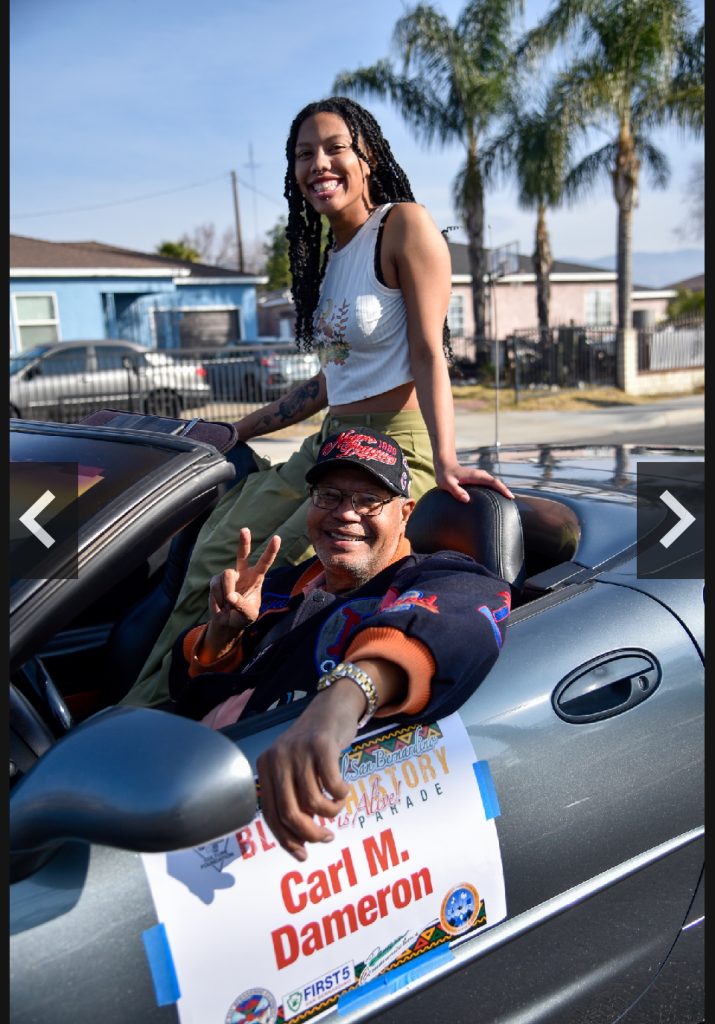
(535,856)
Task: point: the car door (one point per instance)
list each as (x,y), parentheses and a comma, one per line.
(599,819)
(57,383)
(599,827)
(116,378)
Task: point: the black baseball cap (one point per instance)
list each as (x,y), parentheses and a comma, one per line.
(378,454)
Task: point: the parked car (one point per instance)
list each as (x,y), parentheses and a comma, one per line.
(65,380)
(258,372)
(590,726)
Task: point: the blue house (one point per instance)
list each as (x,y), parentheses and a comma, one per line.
(70,291)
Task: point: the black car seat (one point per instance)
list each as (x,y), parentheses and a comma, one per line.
(30,736)
(487,527)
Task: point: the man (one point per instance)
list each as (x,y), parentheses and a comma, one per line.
(368,626)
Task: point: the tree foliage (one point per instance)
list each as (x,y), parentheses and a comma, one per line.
(639,64)
(534,148)
(204,245)
(219,250)
(277,264)
(687,304)
(179,251)
(693,225)
(275,251)
(453,82)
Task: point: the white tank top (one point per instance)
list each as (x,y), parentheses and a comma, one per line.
(360,325)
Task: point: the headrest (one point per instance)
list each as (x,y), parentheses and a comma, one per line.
(487,527)
(223,436)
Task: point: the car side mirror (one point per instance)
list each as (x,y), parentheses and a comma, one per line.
(33,371)
(133,778)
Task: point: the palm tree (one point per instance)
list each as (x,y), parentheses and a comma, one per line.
(534,148)
(640,64)
(455,81)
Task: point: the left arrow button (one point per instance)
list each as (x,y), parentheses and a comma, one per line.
(29,519)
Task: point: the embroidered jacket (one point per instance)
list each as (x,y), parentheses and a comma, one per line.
(442,617)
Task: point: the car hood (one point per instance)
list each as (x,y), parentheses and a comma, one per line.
(608,469)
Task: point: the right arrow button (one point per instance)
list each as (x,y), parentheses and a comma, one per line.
(685,518)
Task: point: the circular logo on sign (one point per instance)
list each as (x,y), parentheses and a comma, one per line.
(460,909)
(254,1006)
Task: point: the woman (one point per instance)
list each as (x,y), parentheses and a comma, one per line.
(374,306)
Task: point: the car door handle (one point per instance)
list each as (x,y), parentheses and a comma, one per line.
(606,686)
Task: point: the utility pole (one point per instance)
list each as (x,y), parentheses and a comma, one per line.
(495,337)
(239,243)
(252,167)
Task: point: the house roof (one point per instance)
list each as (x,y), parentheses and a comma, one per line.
(691,284)
(36,253)
(560,268)
(460,263)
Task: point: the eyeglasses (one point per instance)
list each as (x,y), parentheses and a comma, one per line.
(364,503)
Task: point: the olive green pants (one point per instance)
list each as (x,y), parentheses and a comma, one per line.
(272,500)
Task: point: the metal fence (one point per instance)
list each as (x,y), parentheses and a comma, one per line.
(672,346)
(214,383)
(575,356)
(225,383)
(567,357)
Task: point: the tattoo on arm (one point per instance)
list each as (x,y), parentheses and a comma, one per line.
(297,399)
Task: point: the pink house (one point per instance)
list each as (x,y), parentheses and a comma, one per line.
(580,294)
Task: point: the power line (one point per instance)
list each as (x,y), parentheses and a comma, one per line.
(138,199)
(119,202)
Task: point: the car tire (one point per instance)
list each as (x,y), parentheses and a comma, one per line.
(163,403)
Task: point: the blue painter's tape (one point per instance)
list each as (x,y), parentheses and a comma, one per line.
(487,790)
(161,965)
(394,980)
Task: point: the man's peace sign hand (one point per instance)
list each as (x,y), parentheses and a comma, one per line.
(235,594)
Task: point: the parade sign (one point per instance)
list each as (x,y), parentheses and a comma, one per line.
(415,865)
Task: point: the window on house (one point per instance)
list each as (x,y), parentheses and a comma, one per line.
(455,316)
(36,319)
(599,306)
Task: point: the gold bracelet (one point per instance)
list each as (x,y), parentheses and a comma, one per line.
(346,669)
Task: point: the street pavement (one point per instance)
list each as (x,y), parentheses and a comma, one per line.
(625,423)
(628,424)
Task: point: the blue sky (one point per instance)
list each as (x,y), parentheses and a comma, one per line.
(126,120)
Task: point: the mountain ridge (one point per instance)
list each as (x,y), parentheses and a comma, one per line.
(654,269)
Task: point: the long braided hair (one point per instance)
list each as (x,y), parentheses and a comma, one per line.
(387,183)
